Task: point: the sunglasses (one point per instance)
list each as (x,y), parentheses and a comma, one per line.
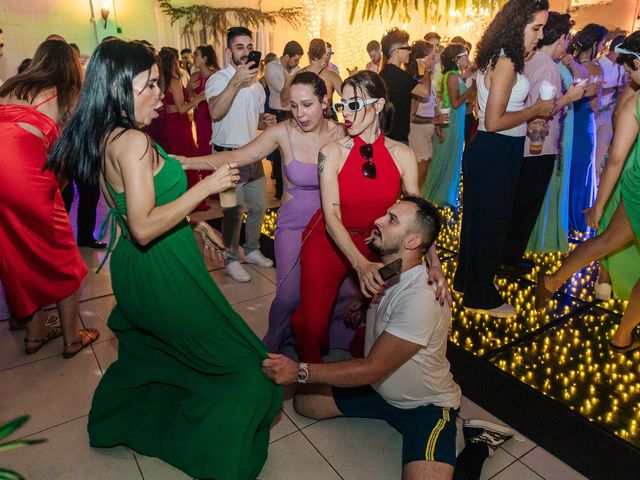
(403,48)
(368,167)
(624,51)
(353,105)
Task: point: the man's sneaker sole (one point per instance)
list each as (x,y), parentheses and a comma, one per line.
(489,426)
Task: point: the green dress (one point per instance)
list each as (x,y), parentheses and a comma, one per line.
(624,265)
(551,231)
(442,186)
(187,386)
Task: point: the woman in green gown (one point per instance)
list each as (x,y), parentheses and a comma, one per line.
(442,186)
(621,268)
(624,226)
(187,386)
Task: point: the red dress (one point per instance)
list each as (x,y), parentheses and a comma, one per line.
(323,266)
(40,263)
(176,136)
(202,120)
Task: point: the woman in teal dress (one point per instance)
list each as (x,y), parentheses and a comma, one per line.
(443,179)
(187,386)
(624,226)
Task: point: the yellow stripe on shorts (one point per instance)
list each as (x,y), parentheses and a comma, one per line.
(433,439)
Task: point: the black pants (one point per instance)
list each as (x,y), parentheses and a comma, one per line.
(490,166)
(87,203)
(276,157)
(470,127)
(530,191)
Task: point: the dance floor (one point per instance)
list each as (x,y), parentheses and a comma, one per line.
(560,354)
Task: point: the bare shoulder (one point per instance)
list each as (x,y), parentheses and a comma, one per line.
(337,128)
(128,145)
(397,149)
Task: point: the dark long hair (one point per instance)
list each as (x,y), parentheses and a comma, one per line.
(631,43)
(449,56)
(368,82)
(506,31)
(106,103)
(209,53)
(169,66)
(54,65)
(588,39)
(419,49)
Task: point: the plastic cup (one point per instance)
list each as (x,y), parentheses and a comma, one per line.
(537,134)
(228,198)
(445,115)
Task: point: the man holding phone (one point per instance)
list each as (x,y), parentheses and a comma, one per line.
(236,105)
(405,377)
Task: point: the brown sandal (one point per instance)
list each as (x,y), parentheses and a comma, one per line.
(89,335)
(54,332)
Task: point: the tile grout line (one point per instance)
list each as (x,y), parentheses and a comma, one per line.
(53,426)
(515,459)
(320,453)
(527,466)
(135,457)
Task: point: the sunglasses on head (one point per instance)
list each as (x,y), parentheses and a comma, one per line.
(368,167)
(624,51)
(353,105)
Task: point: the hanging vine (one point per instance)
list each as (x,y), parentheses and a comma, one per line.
(218,20)
(431,8)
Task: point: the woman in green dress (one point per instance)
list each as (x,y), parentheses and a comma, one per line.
(442,186)
(620,269)
(624,226)
(187,386)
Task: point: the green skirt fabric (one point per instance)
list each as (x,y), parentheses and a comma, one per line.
(624,265)
(187,386)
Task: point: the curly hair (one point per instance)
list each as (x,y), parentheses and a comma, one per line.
(391,38)
(506,31)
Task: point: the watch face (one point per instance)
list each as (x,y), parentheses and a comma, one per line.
(303,373)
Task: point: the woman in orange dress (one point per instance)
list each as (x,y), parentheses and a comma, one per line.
(40,262)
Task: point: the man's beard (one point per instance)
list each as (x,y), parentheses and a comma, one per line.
(382,251)
(239,61)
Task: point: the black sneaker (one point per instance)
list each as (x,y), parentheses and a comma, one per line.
(482,431)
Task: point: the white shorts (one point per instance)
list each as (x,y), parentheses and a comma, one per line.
(421,140)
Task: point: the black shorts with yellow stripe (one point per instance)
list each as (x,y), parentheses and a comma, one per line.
(428,432)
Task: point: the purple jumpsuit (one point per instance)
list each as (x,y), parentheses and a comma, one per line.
(302,183)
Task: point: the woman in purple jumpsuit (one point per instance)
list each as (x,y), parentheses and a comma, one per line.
(300,140)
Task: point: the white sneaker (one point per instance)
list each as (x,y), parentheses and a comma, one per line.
(489,433)
(503,311)
(257,258)
(237,272)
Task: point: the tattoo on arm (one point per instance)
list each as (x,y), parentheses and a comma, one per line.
(321,159)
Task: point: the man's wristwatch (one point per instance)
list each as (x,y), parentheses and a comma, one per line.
(303,372)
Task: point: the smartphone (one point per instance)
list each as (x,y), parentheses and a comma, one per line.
(390,270)
(254,57)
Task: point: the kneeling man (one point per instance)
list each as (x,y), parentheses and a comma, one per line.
(405,377)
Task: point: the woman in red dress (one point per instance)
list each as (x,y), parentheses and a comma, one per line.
(206,61)
(176,128)
(361,176)
(40,262)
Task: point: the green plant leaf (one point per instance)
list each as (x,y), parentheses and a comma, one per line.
(18,443)
(10,475)
(8,428)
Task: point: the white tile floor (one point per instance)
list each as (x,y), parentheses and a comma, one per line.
(57,393)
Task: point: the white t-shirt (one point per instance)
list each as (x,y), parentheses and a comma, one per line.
(612,76)
(240,125)
(409,310)
(276,76)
